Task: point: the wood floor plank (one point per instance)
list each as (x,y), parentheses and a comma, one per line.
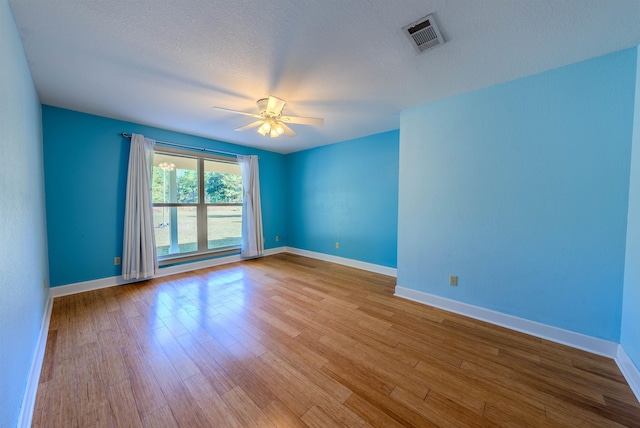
(377,397)
(64,401)
(282,416)
(96,414)
(207,366)
(291,348)
(510,417)
(183,406)
(382,366)
(144,384)
(124,412)
(180,359)
(436,418)
(310,371)
(316,417)
(246,410)
(161,418)
(65,345)
(288,393)
(42,407)
(371,413)
(565,414)
(213,406)
(324,399)
(473,391)
(92,394)
(290,341)
(46,373)
(445,409)
(111,362)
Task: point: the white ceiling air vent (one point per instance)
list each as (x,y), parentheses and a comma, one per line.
(424,34)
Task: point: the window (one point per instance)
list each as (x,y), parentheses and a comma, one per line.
(197,203)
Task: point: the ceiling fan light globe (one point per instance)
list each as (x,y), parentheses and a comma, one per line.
(167,166)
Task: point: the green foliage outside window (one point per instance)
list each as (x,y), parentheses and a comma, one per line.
(222,188)
(219,187)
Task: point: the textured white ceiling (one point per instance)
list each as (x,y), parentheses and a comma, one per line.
(167,62)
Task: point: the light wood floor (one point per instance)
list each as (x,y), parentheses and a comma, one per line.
(290,341)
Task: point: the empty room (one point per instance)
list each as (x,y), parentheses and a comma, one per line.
(320,213)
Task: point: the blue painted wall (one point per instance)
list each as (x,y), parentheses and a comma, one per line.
(347,193)
(630,328)
(85,163)
(23,245)
(521,189)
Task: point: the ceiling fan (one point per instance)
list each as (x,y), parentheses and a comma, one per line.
(271,121)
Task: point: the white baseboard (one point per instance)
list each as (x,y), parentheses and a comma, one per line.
(629,370)
(384,270)
(96,284)
(554,334)
(81,287)
(29,399)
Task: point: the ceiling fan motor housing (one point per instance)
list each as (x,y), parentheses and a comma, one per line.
(263,103)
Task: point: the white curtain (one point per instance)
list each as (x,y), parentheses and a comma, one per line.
(252,239)
(139,259)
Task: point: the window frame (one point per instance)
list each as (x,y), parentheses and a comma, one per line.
(203,251)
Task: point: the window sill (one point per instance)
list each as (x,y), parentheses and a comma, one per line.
(176,259)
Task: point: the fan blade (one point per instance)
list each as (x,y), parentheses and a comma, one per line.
(303,120)
(251,125)
(275,106)
(257,116)
(287,131)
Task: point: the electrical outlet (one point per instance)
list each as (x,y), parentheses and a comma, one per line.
(453,280)
(277,239)
(337,245)
(116,261)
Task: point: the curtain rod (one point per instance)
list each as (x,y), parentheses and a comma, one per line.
(202,149)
